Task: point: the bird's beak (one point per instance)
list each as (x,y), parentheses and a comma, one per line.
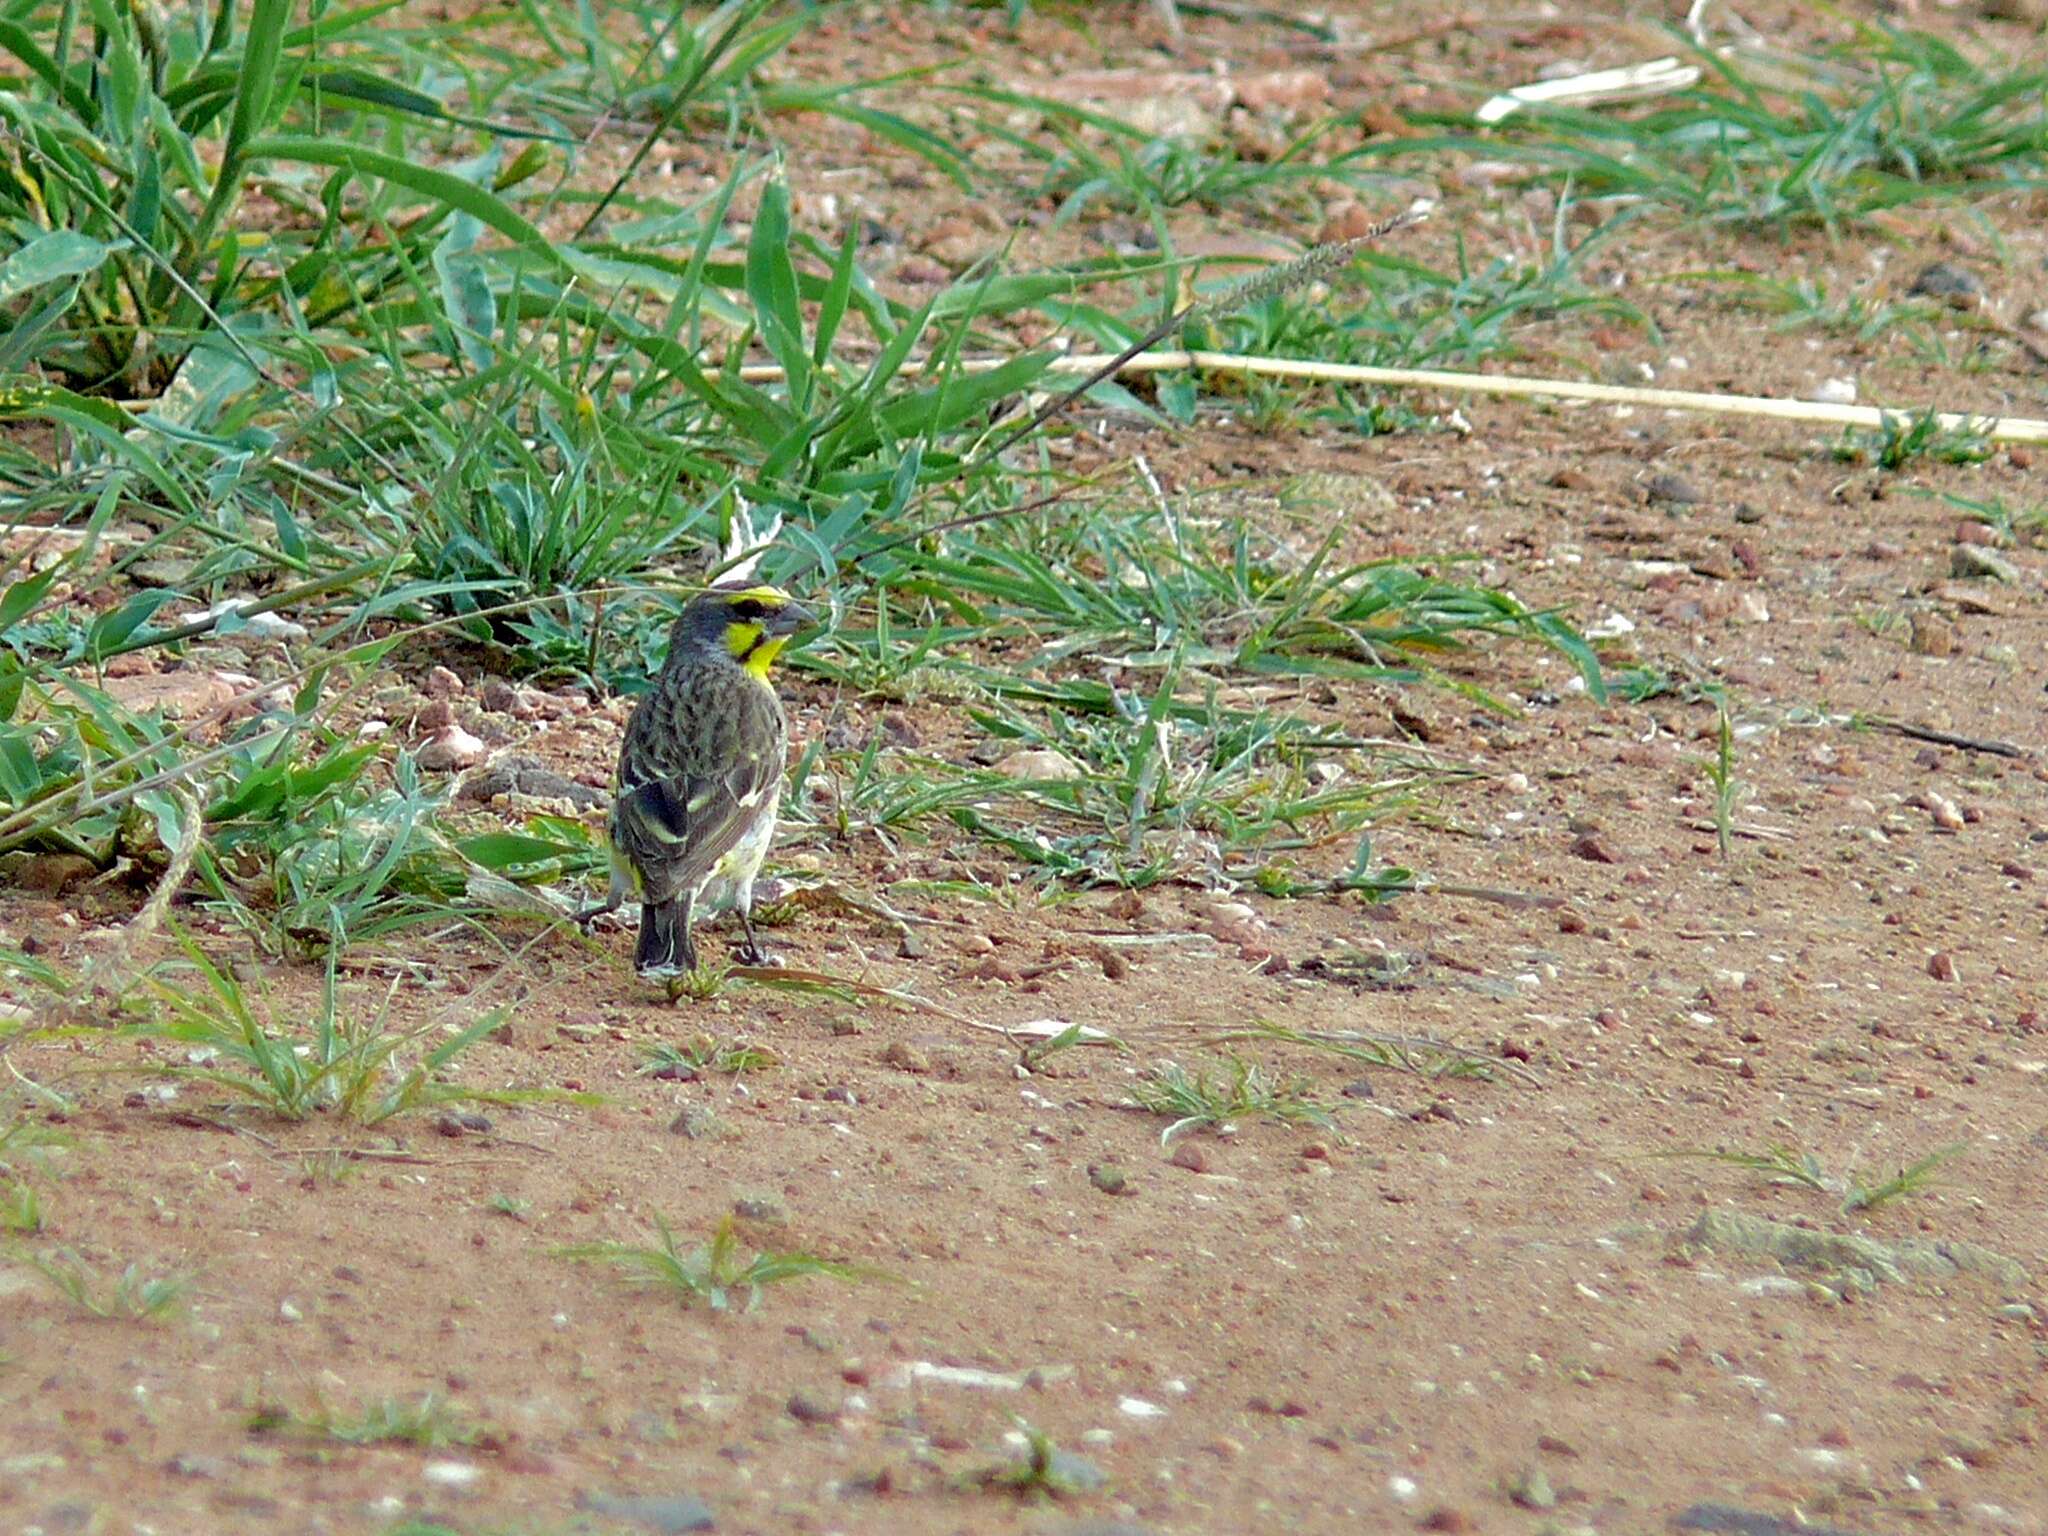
(788,619)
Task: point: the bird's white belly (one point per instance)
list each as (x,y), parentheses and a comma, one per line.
(731,881)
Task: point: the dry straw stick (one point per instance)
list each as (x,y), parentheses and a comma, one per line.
(2004,429)
(2008,429)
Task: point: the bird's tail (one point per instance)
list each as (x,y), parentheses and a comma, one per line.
(664,948)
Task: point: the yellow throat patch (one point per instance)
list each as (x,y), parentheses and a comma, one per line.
(748,642)
(754,653)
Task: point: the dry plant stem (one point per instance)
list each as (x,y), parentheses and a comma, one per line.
(1950,739)
(1494,894)
(2009,429)
(2005,429)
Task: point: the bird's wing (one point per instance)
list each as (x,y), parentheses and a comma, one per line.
(676,828)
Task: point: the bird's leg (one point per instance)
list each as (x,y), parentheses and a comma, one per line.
(689,940)
(751,952)
(614,898)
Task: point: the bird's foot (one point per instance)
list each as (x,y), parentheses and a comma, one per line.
(585,916)
(751,953)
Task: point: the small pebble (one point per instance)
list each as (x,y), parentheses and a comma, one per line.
(1109,1178)
(907,1057)
(1532,1490)
(1974,562)
(807,1410)
(442,683)
(1673,489)
(451,749)
(1946,280)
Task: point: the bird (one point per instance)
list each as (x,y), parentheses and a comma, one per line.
(700,772)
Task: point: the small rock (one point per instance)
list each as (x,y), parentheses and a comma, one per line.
(1746,512)
(670,1514)
(922,272)
(1077,1473)
(695,1122)
(1359,1088)
(52,874)
(197,1466)
(499,696)
(1040,763)
(1287,93)
(1109,1178)
(1932,635)
(1532,1490)
(265,626)
(1446,1517)
(1943,812)
(907,1057)
(1974,561)
(165,571)
(1750,608)
(806,1410)
(451,749)
(1945,280)
(765,1209)
(1942,966)
(1589,847)
(1190,1156)
(1834,392)
(1348,220)
(1673,489)
(519,775)
(452,1474)
(1730,1521)
(441,683)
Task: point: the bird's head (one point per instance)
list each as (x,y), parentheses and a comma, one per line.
(746,621)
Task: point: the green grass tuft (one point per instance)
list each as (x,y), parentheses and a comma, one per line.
(1207,1099)
(715,1274)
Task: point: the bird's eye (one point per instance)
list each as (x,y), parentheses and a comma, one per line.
(746,608)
